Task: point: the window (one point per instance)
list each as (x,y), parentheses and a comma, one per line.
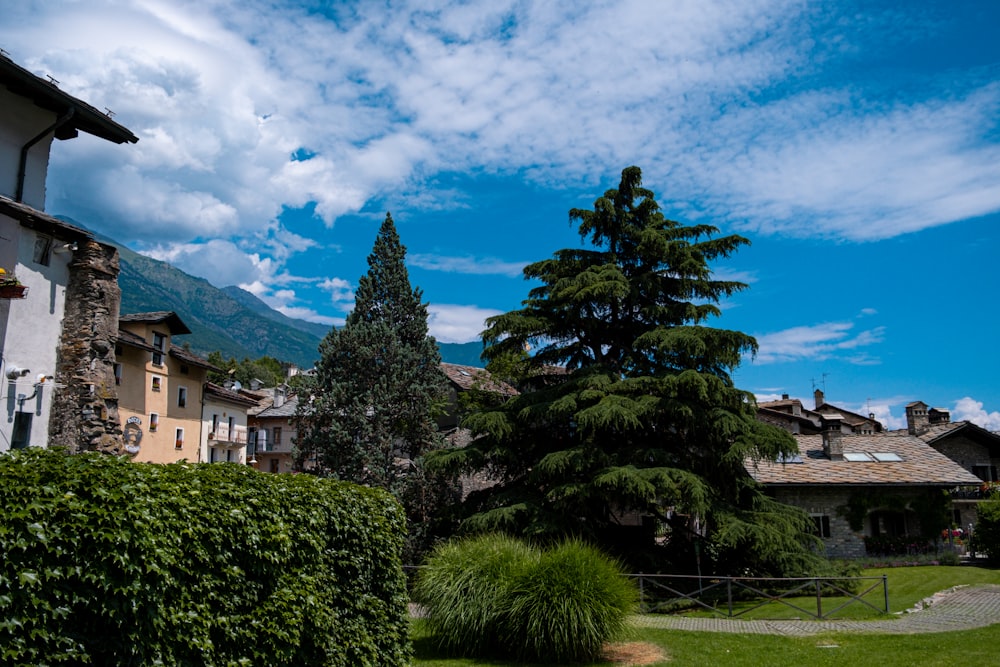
(229,456)
(215,424)
(184,369)
(43,250)
(20,438)
(211,454)
(277,435)
(154,421)
(821,525)
(118,373)
(157,383)
(274,465)
(182,396)
(159,347)
(179,438)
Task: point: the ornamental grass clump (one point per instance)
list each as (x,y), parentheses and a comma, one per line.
(496,596)
(465,588)
(568,605)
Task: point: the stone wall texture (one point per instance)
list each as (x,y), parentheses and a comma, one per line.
(85,410)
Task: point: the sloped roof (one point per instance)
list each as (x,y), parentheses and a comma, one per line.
(287,409)
(221,393)
(921,465)
(126,337)
(172,320)
(47,95)
(43,222)
(937,432)
(469,377)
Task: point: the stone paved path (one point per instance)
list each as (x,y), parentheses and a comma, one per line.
(961,608)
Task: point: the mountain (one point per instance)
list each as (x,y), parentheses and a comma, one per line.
(231,320)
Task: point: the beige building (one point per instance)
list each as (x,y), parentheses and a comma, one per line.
(224,425)
(160,389)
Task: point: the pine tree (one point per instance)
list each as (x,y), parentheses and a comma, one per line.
(378,381)
(629,408)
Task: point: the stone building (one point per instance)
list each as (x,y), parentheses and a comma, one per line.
(861,486)
(58,318)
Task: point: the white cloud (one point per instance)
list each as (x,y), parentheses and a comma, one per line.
(818,342)
(341,292)
(450,323)
(486,266)
(219,261)
(972,410)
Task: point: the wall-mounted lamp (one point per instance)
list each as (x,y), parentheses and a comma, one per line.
(65,247)
(15,372)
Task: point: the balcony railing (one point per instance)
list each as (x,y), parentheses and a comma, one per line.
(984,491)
(222,433)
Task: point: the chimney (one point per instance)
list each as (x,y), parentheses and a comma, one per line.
(917,421)
(818,396)
(784,397)
(833,437)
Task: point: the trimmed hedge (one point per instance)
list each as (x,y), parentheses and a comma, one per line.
(107,562)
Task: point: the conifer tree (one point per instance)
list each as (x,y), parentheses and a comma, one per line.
(378,381)
(629,409)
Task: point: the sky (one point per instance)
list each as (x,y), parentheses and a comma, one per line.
(855,144)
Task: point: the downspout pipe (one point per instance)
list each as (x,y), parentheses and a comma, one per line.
(22,166)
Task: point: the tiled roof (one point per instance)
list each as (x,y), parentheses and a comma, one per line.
(47,95)
(229,395)
(128,338)
(939,431)
(921,465)
(32,218)
(172,319)
(287,409)
(186,357)
(466,377)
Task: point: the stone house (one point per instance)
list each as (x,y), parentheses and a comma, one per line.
(57,325)
(160,389)
(789,414)
(860,487)
(972,447)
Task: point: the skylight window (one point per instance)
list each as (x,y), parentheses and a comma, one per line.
(857,457)
(886,456)
(788,458)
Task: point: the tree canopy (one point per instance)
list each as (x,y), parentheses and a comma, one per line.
(378,380)
(629,415)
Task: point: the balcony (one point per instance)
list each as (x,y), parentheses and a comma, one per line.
(223,435)
(984,491)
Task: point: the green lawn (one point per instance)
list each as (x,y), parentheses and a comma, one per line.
(907,586)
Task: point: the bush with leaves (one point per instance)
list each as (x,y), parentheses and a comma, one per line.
(113,563)
(495,595)
(987,533)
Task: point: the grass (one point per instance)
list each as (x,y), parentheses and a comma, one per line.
(907,587)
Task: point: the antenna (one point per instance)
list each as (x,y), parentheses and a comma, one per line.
(52,79)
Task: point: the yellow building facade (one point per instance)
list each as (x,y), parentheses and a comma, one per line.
(160,389)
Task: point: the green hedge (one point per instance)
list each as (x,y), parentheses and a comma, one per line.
(107,562)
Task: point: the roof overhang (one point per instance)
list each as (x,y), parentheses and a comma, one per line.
(47,95)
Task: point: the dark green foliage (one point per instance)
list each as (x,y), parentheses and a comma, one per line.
(379,385)
(628,407)
(108,562)
(493,595)
(987,532)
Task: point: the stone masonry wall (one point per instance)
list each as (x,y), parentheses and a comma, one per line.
(843,542)
(85,410)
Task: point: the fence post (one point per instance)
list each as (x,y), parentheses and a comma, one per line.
(819,600)
(642,595)
(885,589)
(729,594)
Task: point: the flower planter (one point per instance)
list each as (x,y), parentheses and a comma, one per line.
(13,291)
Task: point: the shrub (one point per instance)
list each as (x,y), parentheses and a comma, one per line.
(564,608)
(494,595)
(109,562)
(465,587)
(987,533)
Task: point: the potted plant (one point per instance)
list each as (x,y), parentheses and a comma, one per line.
(10,286)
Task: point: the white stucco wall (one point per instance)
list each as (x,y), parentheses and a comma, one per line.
(224,410)
(30,329)
(20,121)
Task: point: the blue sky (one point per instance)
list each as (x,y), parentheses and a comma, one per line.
(857,145)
